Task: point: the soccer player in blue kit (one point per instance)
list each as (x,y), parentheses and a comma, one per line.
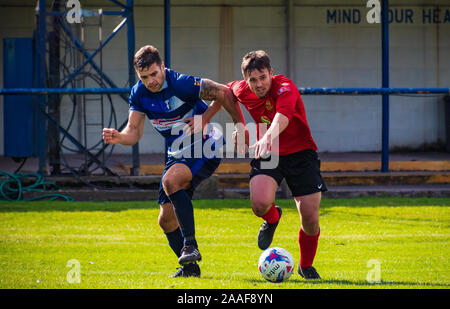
(171,100)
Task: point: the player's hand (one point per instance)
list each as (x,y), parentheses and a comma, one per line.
(111,136)
(263,147)
(241,148)
(196,124)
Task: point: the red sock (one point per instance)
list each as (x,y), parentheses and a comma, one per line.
(272,216)
(308,248)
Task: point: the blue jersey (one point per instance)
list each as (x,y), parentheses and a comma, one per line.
(178,99)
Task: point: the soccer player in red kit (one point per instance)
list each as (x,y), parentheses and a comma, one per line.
(275,101)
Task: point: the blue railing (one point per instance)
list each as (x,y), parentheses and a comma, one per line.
(373,91)
(304,91)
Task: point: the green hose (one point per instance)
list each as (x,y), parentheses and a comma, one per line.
(12,189)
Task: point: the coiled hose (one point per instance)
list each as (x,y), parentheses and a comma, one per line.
(12,188)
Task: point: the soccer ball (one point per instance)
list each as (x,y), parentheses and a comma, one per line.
(276,264)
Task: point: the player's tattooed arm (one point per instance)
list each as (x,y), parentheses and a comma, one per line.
(223,95)
(210,90)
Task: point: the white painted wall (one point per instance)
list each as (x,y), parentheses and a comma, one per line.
(326,55)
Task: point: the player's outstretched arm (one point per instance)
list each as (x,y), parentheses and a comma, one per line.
(224,96)
(199,122)
(265,144)
(128,136)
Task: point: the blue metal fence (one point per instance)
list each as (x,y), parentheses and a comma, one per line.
(39,90)
(303,91)
(384,92)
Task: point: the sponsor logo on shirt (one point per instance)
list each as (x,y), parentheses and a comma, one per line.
(167,122)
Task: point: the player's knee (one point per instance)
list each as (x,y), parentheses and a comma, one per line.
(310,219)
(171,185)
(166,183)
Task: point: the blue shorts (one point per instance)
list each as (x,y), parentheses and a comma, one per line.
(200,169)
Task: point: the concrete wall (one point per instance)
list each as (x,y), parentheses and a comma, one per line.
(345,54)
(209,40)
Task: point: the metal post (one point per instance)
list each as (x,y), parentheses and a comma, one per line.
(39,82)
(54,100)
(290,39)
(385,84)
(135,169)
(167,33)
(166,47)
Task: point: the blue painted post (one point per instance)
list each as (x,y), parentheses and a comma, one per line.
(385,84)
(40,78)
(135,169)
(167,33)
(166,44)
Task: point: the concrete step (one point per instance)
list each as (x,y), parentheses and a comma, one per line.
(326,166)
(359,191)
(355,178)
(340,185)
(429,190)
(242,180)
(122,194)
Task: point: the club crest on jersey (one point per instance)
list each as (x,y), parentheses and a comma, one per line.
(283,89)
(269,105)
(197,83)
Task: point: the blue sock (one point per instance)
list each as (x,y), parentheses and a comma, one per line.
(175,239)
(185,215)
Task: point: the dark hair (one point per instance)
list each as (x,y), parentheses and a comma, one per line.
(145,57)
(255,60)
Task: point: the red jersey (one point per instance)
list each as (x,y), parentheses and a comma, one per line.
(284,98)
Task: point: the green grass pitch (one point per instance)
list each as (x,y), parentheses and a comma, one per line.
(120,245)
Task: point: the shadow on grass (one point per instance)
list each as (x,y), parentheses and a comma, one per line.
(339,283)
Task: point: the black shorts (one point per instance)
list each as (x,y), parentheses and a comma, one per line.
(300,169)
